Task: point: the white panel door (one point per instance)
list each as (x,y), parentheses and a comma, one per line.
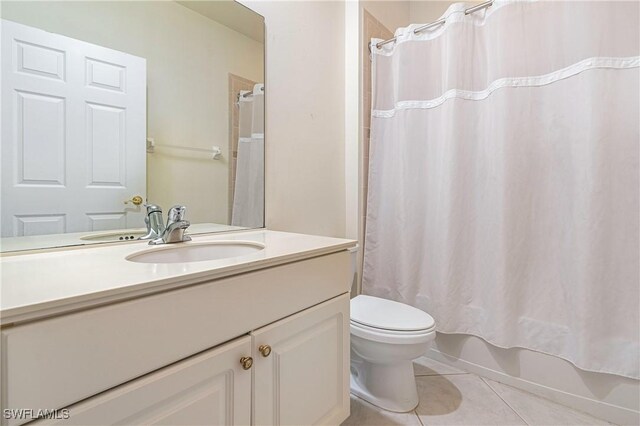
(206,389)
(73,134)
(304,380)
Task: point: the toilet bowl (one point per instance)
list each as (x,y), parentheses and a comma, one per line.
(386,336)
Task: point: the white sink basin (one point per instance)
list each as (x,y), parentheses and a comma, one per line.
(196,252)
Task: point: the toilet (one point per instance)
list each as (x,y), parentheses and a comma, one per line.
(386,336)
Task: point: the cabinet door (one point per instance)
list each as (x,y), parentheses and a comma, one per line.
(211,388)
(304,379)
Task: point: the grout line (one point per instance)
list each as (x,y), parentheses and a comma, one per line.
(534,396)
(441,374)
(503,400)
(380,410)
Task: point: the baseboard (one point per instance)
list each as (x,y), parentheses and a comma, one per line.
(603,410)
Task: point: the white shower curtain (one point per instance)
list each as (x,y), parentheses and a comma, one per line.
(503,184)
(248,198)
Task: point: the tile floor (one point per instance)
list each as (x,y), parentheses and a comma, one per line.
(449,396)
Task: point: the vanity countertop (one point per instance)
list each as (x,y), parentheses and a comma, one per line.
(41,284)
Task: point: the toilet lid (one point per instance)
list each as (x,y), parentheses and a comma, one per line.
(389,315)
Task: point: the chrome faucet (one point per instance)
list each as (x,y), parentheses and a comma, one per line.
(176,225)
(154,222)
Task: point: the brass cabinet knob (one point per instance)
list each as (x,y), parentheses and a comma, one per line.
(265,350)
(246,362)
(137,200)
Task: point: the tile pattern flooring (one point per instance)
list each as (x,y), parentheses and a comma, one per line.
(449,396)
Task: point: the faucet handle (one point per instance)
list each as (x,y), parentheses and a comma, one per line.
(152,208)
(154,222)
(176,213)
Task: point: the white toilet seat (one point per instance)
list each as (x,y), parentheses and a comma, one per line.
(391,336)
(386,314)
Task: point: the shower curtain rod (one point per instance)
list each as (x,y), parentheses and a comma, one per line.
(246,95)
(472,9)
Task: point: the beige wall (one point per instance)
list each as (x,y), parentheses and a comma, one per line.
(423,12)
(305,98)
(188,57)
(392,14)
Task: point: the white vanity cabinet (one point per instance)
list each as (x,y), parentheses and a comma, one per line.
(299,367)
(174,357)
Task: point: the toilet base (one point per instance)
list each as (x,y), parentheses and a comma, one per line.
(391,387)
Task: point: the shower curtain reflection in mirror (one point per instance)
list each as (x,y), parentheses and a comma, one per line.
(248,197)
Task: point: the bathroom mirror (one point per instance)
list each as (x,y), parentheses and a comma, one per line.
(110,105)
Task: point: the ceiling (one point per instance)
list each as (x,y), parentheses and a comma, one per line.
(230,14)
